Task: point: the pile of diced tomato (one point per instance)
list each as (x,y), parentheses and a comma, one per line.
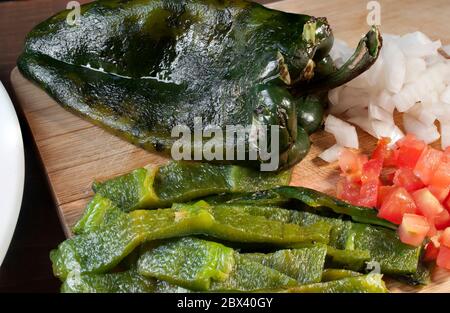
(409,185)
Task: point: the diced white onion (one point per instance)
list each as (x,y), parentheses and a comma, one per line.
(427,133)
(344,133)
(445,134)
(411,76)
(331,154)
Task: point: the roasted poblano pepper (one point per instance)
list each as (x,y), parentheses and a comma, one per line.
(202,265)
(160,186)
(309,200)
(141,67)
(370,283)
(330,274)
(304,265)
(100,250)
(380,243)
(123,282)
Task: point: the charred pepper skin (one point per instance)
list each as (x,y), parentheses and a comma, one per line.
(138,68)
(102,249)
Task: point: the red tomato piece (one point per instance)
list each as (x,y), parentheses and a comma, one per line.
(348,191)
(383,192)
(409,151)
(442,220)
(443,258)
(440,180)
(431,252)
(433,230)
(368,195)
(413,229)
(396,204)
(427,164)
(405,177)
(427,204)
(371,170)
(383,153)
(445,238)
(447,203)
(351,164)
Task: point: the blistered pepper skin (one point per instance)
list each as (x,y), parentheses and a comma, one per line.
(140,68)
(101,250)
(161,186)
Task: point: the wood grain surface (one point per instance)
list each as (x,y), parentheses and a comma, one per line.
(74,152)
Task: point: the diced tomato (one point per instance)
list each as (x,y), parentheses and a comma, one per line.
(383,192)
(426,203)
(440,180)
(427,164)
(348,191)
(447,203)
(413,229)
(351,164)
(405,177)
(370,181)
(409,151)
(445,238)
(431,252)
(397,203)
(433,230)
(371,170)
(443,258)
(368,195)
(387,175)
(442,220)
(383,153)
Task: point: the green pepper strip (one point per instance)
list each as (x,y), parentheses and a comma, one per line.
(160,186)
(371,283)
(203,265)
(318,200)
(102,249)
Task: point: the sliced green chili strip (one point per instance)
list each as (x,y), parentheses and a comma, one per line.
(159,187)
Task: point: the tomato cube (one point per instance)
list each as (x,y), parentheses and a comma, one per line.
(405,177)
(443,258)
(383,153)
(445,238)
(426,203)
(427,164)
(368,195)
(383,192)
(348,191)
(409,151)
(442,220)
(413,229)
(440,181)
(431,252)
(351,164)
(371,170)
(447,203)
(396,204)
(433,230)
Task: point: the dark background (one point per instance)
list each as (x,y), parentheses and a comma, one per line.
(27,267)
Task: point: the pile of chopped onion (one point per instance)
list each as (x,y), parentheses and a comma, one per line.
(411,76)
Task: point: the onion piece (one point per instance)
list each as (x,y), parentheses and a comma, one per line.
(378,113)
(331,154)
(395,67)
(414,68)
(427,133)
(445,134)
(344,133)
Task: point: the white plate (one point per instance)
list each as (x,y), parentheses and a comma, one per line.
(12,171)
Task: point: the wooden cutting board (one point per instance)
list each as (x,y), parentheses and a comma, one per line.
(74,152)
